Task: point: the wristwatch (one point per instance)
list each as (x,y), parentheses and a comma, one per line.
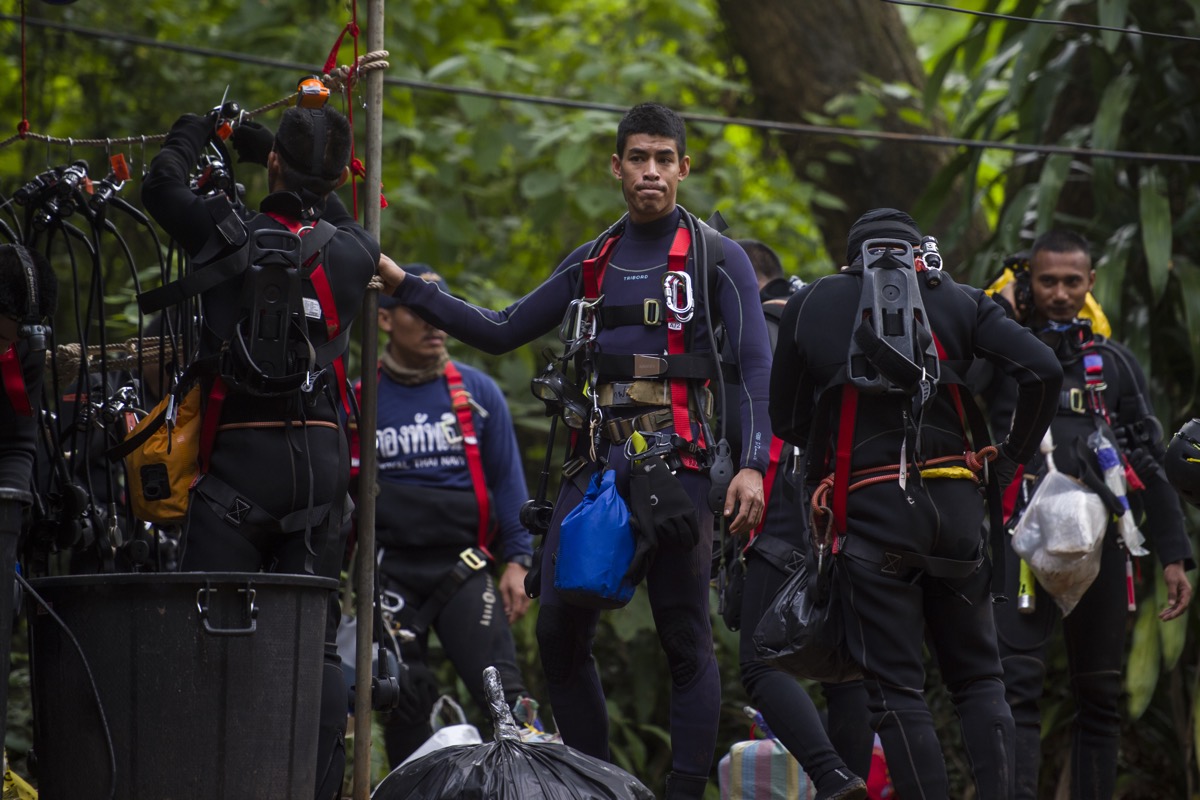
(522,560)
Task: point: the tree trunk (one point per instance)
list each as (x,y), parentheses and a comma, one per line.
(800,54)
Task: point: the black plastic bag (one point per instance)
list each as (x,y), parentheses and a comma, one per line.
(508,768)
(802,632)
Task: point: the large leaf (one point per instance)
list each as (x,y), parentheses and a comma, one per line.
(1106,131)
(1111,268)
(1141,673)
(1189,281)
(1054,175)
(1196,724)
(1053,80)
(1154,212)
(1029,51)
(1112,14)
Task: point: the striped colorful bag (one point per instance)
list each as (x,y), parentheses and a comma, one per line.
(762,769)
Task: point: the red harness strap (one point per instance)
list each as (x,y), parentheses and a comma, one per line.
(593,269)
(333,327)
(676,345)
(1008,494)
(14,382)
(841,469)
(460,399)
(777,446)
(593,280)
(208,425)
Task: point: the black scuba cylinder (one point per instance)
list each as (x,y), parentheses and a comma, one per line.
(264,346)
(892,350)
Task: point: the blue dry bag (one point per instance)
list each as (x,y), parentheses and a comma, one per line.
(595,547)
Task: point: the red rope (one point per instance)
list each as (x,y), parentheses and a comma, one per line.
(23,125)
(330,65)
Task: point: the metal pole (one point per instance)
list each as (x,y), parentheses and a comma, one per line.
(367,491)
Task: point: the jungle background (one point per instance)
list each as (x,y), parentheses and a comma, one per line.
(499,118)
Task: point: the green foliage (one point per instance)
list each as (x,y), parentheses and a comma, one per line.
(1172,634)
(495,191)
(1141,671)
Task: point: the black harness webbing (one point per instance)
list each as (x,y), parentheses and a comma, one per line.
(417,621)
(895,562)
(206,276)
(237,510)
(980,437)
(691,366)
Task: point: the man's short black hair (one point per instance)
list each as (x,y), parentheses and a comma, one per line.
(14,288)
(764,260)
(1060,241)
(653,119)
(304,163)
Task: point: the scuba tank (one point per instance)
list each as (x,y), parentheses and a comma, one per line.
(264,347)
(892,350)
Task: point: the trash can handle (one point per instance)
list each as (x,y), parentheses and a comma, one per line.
(251,612)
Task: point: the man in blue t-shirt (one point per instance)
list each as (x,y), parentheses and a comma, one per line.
(450,491)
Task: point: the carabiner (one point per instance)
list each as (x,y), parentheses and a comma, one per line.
(677,291)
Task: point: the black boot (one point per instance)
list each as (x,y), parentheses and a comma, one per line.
(685,787)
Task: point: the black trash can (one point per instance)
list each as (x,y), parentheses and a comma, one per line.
(207,685)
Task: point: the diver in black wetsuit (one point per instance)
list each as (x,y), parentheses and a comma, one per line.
(636,358)
(839,759)
(926,512)
(1104,391)
(28,295)
(273,494)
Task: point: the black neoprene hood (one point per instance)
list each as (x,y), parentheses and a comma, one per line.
(881,223)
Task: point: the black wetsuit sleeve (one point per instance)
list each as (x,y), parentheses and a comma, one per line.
(1164,525)
(18,431)
(165,192)
(792,403)
(336,214)
(741,312)
(1014,349)
(1164,521)
(496,332)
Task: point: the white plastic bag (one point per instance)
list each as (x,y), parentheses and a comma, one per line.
(1060,533)
(460,732)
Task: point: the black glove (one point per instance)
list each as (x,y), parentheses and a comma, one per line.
(418,692)
(673,511)
(252,142)
(659,503)
(1004,468)
(193,128)
(645,546)
(1144,463)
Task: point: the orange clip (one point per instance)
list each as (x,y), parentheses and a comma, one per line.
(119,168)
